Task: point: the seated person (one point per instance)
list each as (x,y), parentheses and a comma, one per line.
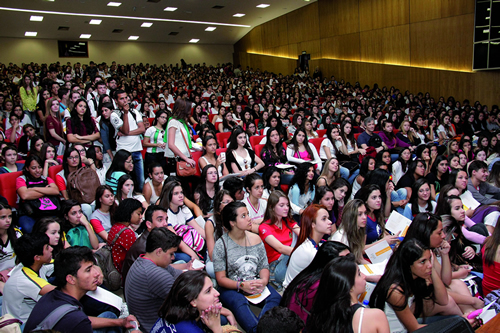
(235,187)
(151,277)
(365,137)
(28,280)
(477,185)
(9,154)
(75,274)
(280,319)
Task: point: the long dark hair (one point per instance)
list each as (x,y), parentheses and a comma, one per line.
(298,289)
(347,137)
(177,306)
(398,274)
(233,140)
(206,202)
(300,177)
(11,232)
(414,196)
(278,155)
(422,227)
(332,311)
(378,177)
(364,194)
(118,163)
(219,228)
(41,227)
(267,174)
(306,143)
(77,125)
(29,159)
(66,155)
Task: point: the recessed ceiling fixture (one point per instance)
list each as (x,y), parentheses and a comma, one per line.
(36,18)
(146,25)
(85,36)
(194,40)
(170,9)
(114,4)
(210,28)
(155,19)
(95,22)
(263,5)
(133,38)
(239,15)
(30,33)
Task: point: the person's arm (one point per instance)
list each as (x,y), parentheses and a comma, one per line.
(13,134)
(259,164)
(316,160)
(294,194)
(147,192)
(92,237)
(98,229)
(46,289)
(209,239)
(50,189)
(291,158)
(405,316)
(147,143)
(175,149)
(328,151)
(193,223)
(98,322)
(88,138)
(278,246)
(193,207)
(479,197)
(53,133)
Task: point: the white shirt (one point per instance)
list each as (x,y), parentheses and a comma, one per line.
(131,143)
(179,139)
(255,212)
(181,217)
(322,153)
(155,136)
(300,259)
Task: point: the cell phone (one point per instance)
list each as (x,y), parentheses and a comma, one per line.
(136,326)
(223,156)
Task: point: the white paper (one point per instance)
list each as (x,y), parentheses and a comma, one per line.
(201,221)
(256,299)
(107,297)
(368,292)
(285,166)
(397,223)
(373,269)
(488,313)
(468,201)
(379,252)
(197,264)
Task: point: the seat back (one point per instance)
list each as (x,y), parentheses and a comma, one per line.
(317,143)
(221,137)
(8,187)
(255,140)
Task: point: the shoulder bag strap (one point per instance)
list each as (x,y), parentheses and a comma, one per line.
(185,141)
(117,235)
(225,250)
(55,316)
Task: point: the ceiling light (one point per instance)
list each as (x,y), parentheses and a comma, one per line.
(95,22)
(263,5)
(154,19)
(36,18)
(170,9)
(210,29)
(30,33)
(85,35)
(194,40)
(239,15)
(146,25)
(114,4)
(133,38)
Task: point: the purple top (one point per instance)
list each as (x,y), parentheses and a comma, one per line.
(391,144)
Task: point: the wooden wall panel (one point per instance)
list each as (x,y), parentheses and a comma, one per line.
(445,43)
(345,47)
(382,13)
(456,84)
(424,10)
(456,7)
(303,24)
(311,47)
(292,50)
(275,33)
(339,17)
(424,80)
(487,88)
(389,45)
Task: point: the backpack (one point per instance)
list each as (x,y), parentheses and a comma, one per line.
(45,206)
(55,316)
(83,184)
(104,259)
(9,324)
(190,236)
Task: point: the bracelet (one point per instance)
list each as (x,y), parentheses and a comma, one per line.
(238,285)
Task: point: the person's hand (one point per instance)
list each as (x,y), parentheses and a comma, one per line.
(444,248)
(128,322)
(478,303)
(191,162)
(434,154)
(211,317)
(250,287)
(463,271)
(401,203)
(126,107)
(469,253)
(379,149)
(392,239)
(101,276)
(362,151)
(389,187)
(120,134)
(231,319)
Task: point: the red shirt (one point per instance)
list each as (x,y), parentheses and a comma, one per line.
(122,245)
(284,235)
(491,278)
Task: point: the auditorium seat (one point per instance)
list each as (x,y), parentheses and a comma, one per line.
(321,132)
(54,170)
(221,137)
(317,143)
(8,187)
(196,157)
(255,140)
(258,149)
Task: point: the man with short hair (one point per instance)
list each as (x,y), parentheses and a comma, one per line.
(477,185)
(28,280)
(129,126)
(54,89)
(367,135)
(75,275)
(151,277)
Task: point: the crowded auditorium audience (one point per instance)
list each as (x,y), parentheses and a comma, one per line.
(194,198)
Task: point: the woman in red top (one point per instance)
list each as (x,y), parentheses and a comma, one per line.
(491,262)
(277,234)
(130,213)
(81,128)
(53,125)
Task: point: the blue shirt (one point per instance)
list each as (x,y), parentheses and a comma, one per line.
(187,326)
(373,230)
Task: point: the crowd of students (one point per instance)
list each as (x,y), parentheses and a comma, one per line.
(311,170)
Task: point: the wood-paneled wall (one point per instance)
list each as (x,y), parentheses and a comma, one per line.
(416,45)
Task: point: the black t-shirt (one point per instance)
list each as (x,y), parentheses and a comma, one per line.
(438,184)
(406,181)
(73,322)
